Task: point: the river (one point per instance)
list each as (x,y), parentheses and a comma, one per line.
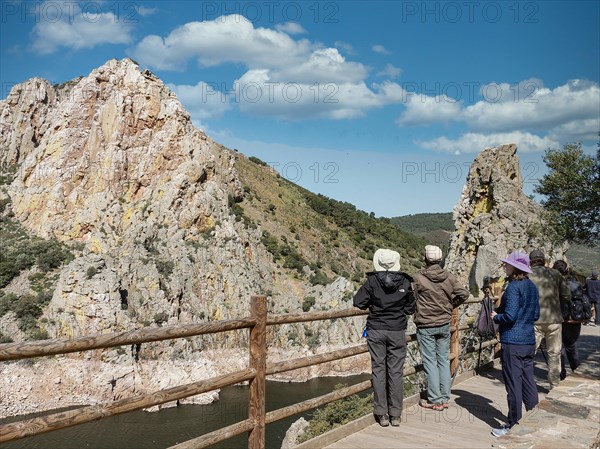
(144,430)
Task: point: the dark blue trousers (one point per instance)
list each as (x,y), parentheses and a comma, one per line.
(517,371)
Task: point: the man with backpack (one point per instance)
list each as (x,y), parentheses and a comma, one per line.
(553,291)
(574,316)
(436,292)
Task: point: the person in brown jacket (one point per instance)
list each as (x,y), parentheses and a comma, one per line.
(436,292)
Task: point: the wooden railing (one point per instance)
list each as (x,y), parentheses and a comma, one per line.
(255,373)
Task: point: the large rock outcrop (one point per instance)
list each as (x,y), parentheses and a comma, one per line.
(111,164)
(493,218)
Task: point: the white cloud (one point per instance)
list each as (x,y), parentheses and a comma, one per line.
(290,28)
(202,101)
(390,71)
(145,12)
(475,142)
(233,39)
(285,78)
(77,29)
(346,47)
(529,105)
(527,113)
(422,110)
(323,65)
(259,93)
(380,49)
(226,39)
(577,130)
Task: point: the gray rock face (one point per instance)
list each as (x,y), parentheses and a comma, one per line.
(297,428)
(493,218)
(111,162)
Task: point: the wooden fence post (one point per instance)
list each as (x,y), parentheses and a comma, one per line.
(454,341)
(258,361)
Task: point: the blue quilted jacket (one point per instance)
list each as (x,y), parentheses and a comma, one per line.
(519,309)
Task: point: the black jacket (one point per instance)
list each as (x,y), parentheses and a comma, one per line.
(388,296)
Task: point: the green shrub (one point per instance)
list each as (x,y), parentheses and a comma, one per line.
(271,243)
(7,303)
(91,272)
(312,338)
(3,203)
(27,324)
(38,334)
(164,267)
(21,251)
(319,278)
(308,302)
(161,317)
(5,338)
(27,306)
(257,161)
(336,414)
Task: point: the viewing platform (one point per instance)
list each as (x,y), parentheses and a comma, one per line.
(567,417)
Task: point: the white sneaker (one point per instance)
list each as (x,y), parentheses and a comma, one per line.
(501,431)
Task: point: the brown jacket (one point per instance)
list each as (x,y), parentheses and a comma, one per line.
(437,291)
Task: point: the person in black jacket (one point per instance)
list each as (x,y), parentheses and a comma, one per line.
(388,295)
(571,329)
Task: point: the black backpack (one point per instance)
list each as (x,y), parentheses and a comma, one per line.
(486,328)
(580,308)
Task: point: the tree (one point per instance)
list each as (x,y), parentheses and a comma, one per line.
(572,191)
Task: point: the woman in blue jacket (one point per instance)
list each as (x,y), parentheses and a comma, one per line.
(518,310)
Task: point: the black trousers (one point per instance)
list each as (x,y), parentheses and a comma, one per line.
(388,351)
(517,371)
(570,334)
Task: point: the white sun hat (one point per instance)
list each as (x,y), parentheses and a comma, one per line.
(386,260)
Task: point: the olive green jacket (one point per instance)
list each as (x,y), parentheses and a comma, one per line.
(553,290)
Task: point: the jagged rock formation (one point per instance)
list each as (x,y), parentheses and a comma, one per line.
(111,164)
(493,218)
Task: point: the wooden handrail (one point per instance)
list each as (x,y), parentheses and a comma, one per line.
(81,415)
(309,404)
(222,434)
(255,373)
(28,349)
(288,318)
(289,365)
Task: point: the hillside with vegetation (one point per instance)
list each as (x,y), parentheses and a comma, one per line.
(302,228)
(434,228)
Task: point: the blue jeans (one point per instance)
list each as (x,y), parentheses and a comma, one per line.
(434,344)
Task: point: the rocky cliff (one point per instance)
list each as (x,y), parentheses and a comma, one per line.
(111,165)
(493,218)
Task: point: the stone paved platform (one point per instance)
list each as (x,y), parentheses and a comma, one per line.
(569,415)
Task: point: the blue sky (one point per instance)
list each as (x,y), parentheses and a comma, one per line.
(380,104)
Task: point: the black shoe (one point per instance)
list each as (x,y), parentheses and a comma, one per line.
(395,421)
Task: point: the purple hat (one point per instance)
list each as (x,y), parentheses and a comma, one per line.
(518,260)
